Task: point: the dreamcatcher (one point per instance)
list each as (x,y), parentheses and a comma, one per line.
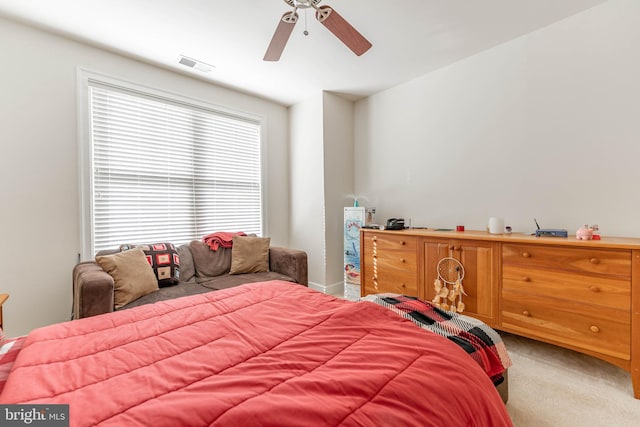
(448,285)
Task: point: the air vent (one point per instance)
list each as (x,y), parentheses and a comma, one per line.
(195,64)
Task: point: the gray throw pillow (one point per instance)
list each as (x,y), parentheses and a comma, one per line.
(209,263)
(187,267)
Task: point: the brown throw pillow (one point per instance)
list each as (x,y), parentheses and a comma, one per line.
(249,254)
(132,275)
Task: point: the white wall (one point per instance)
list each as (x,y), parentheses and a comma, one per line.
(338,115)
(321,184)
(39,199)
(307,186)
(545,126)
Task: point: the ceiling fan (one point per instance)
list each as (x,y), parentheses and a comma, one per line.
(327,17)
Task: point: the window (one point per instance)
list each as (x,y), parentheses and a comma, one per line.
(166,170)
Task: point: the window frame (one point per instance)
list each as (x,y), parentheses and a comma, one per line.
(85,146)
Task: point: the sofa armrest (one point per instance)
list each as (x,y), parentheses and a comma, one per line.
(92,290)
(290,262)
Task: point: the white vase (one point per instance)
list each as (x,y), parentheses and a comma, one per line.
(496,225)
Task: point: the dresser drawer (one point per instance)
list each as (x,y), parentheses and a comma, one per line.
(399,259)
(391,242)
(607,291)
(392,278)
(597,262)
(598,329)
(396,287)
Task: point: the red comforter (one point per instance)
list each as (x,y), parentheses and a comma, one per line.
(267,354)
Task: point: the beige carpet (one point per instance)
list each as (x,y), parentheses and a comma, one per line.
(553,387)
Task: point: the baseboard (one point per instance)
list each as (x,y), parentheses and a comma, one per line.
(336,289)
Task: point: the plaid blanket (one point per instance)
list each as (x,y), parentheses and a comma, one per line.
(480,341)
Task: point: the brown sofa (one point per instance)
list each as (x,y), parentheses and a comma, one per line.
(201,270)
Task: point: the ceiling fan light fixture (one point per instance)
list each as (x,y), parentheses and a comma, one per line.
(327,16)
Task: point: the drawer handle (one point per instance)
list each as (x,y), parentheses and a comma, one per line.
(594,329)
(374,238)
(402,260)
(594,289)
(594,261)
(526,279)
(451,248)
(402,285)
(402,242)
(526,313)
(526,254)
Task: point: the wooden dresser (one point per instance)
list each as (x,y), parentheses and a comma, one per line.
(579,294)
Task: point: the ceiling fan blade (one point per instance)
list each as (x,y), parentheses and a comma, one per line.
(281,36)
(342,30)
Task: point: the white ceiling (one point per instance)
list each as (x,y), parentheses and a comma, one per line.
(410,38)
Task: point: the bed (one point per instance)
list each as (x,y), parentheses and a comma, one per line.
(262,354)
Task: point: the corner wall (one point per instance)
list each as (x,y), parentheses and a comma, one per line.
(307,209)
(321,184)
(338,182)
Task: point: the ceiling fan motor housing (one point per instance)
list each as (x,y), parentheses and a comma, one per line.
(302,4)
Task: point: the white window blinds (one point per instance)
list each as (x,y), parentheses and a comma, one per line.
(168,171)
